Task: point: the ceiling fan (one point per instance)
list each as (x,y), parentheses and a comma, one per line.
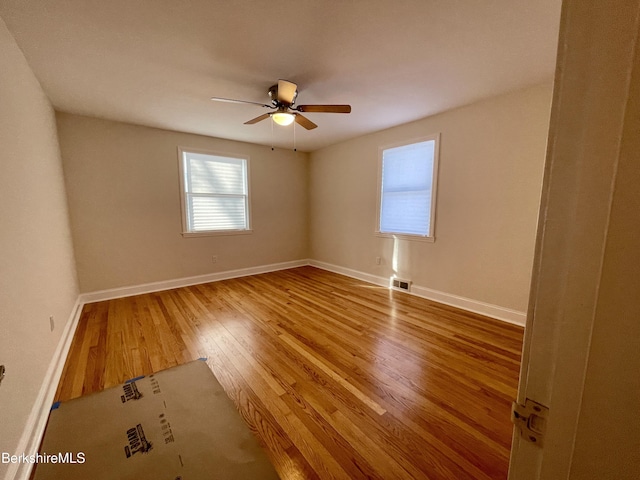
(283,98)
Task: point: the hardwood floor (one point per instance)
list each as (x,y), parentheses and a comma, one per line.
(338,378)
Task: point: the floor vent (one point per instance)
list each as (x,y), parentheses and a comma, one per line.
(400,284)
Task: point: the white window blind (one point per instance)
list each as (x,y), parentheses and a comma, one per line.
(215,192)
(407,189)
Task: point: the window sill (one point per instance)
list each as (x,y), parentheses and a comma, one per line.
(404,236)
(216,233)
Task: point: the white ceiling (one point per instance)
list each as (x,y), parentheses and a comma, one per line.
(157,62)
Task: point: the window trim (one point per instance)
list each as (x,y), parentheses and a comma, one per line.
(434,190)
(183,204)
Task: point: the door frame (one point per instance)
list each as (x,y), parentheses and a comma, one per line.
(597,42)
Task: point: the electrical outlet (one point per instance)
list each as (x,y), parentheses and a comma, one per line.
(214,259)
(378,260)
(52,323)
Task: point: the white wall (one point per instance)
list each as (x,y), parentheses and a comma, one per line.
(491,163)
(123,188)
(37,273)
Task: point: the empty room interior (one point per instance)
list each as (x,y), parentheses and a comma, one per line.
(335,204)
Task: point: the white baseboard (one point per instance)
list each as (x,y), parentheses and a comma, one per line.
(475,306)
(34,428)
(366,277)
(494,311)
(186,281)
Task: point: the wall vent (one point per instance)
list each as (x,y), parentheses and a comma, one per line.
(400,284)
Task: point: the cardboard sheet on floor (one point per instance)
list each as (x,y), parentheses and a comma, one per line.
(177,424)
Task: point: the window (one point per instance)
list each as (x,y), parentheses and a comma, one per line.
(407,188)
(215,193)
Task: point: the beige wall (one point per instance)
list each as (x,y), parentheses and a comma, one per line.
(37,273)
(491,163)
(123,189)
(123,192)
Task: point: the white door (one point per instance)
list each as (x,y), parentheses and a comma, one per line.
(582,341)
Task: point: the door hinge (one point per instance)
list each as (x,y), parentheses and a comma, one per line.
(531,420)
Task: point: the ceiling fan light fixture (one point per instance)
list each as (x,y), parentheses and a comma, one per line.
(283,118)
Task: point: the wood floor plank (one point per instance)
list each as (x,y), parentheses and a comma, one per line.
(337,378)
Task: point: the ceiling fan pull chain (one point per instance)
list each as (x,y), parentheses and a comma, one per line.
(272,134)
(294,137)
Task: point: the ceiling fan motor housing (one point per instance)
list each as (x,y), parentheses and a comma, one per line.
(273,95)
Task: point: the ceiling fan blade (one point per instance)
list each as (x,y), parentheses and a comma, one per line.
(324,108)
(230,100)
(305,122)
(287,92)
(258,119)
